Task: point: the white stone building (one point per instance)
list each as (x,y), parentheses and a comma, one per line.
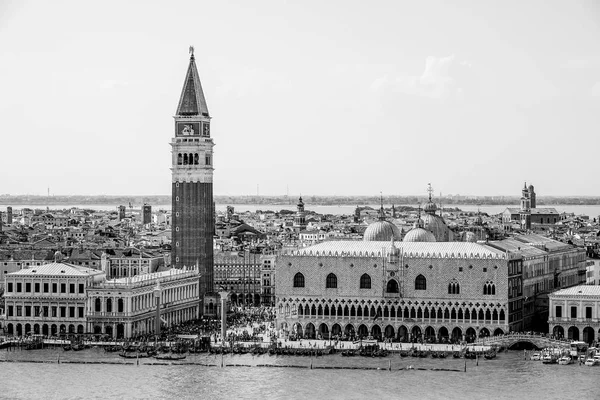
(48,299)
(126,307)
(575,313)
(406,291)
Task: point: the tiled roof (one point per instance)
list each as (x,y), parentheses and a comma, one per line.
(539,240)
(56,268)
(26,255)
(581,290)
(514,246)
(534,211)
(350,248)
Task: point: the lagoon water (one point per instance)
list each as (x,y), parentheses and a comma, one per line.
(508,376)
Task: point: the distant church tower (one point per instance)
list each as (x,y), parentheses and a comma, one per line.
(525,212)
(193,223)
(532,196)
(300,218)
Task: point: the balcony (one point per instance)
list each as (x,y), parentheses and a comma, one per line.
(580,321)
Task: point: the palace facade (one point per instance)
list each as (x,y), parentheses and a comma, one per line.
(422,290)
(406,291)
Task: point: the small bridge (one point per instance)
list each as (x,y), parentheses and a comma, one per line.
(508,341)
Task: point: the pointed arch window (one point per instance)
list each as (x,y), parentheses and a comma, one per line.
(298,280)
(453,287)
(365,281)
(331,281)
(179,159)
(420,283)
(489,288)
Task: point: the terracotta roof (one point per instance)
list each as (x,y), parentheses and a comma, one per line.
(515,246)
(535,211)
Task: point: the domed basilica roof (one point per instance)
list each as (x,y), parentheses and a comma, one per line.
(381,231)
(419,235)
(436,225)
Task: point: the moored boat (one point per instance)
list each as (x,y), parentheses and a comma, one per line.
(549,359)
(565,360)
(590,362)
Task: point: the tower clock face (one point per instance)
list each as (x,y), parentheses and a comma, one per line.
(188,129)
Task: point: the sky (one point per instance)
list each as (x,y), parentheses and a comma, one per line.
(311,97)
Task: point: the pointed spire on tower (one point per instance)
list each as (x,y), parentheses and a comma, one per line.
(430,190)
(192,101)
(381,210)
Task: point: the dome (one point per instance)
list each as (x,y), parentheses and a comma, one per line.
(380,231)
(58,256)
(430,208)
(436,225)
(419,235)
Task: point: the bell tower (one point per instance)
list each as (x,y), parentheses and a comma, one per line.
(193,223)
(525,212)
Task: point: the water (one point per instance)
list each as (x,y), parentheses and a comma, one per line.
(508,376)
(591,210)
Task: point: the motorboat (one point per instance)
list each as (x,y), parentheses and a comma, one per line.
(565,360)
(536,356)
(591,362)
(549,359)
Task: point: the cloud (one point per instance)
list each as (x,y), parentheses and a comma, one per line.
(443,77)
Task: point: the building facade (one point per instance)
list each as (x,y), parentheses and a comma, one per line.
(48,299)
(249,277)
(192,182)
(406,291)
(240,274)
(126,307)
(575,313)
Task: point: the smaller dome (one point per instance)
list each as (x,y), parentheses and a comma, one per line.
(381,231)
(419,235)
(58,256)
(430,207)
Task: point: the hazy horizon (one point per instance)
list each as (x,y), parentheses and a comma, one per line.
(307,97)
(304,196)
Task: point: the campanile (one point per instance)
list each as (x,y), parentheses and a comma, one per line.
(192,181)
